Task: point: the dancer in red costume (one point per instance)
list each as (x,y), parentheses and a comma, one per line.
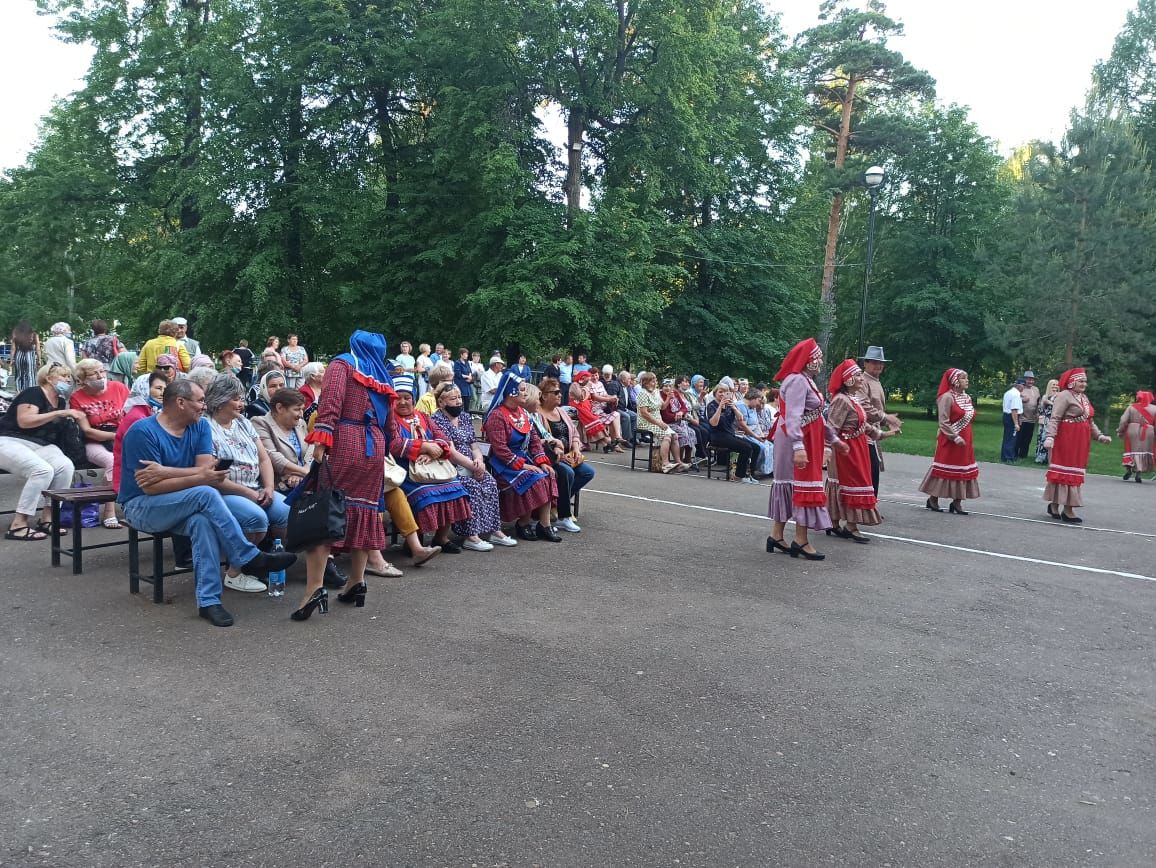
(953,473)
(1068,441)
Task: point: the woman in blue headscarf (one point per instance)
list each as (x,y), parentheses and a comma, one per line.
(526,484)
(353,429)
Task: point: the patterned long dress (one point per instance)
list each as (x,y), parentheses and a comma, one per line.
(516,457)
(850,494)
(799,493)
(953,473)
(1042,428)
(485,516)
(1137,427)
(346,426)
(1072,428)
(435,504)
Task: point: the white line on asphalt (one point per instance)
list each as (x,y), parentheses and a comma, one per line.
(918,542)
(973,511)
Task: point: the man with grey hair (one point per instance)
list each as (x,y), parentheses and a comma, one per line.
(170,484)
(622,388)
(192,345)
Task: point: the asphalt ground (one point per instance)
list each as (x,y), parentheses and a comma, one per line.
(965,690)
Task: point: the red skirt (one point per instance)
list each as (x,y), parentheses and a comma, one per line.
(955,460)
(808,489)
(1068,460)
(854,468)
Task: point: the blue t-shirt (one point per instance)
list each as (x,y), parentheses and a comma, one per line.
(579,367)
(148,441)
(522,371)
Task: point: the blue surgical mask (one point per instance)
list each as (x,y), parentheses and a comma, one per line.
(236,370)
(63,388)
(155,404)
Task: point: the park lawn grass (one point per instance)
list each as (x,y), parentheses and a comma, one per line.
(919,433)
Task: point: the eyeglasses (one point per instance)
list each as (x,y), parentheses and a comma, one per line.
(164,367)
(552,392)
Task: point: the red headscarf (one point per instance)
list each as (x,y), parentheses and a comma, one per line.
(847,369)
(1071,374)
(583,376)
(1143,399)
(801,355)
(948,380)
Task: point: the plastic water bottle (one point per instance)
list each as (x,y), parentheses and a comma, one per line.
(277,577)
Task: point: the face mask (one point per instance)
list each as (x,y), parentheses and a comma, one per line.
(98,385)
(235,370)
(155,404)
(63,389)
(455,411)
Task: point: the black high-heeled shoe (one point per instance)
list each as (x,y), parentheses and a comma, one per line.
(958,510)
(797,550)
(319,600)
(1127,473)
(355,595)
(1071,519)
(840,532)
(1053,514)
(854,537)
(773,544)
(927,503)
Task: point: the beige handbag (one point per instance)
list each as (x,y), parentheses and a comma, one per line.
(439,470)
(394,473)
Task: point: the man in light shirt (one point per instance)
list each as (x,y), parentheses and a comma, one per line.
(1031,416)
(490,380)
(1013,408)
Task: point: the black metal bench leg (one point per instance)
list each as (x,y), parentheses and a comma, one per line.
(158,570)
(77,548)
(133,561)
(55,534)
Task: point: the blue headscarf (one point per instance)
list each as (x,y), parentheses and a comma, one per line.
(367,357)
(405,383)
(696,379)
(507,386)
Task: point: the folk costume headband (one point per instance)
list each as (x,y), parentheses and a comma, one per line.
(507,386)
(950,380)
(842,375)
(367,358)
(1072,375)
(405,383)
(801,355)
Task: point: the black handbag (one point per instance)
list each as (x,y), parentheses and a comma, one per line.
(317,514)
(64,433)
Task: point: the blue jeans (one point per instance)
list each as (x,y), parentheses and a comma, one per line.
(258,519)
(570,480)
(201,514)
(1007,452)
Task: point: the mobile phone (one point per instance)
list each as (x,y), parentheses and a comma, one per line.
(223,464)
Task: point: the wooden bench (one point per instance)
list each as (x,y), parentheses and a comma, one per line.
(159,574)
(76,499)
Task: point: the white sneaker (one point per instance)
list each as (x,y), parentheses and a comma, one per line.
(666,468)
(503,540)
(750,480)
(244,583)
(479,546)
(568,524)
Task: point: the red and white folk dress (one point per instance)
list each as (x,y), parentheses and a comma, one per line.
(850,494)
(1073,429)
(953,473)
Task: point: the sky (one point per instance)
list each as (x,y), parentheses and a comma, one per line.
(1020,67)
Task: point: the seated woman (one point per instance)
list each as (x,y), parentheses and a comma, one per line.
(563,446)
(605,406)
(526,484)
(122,367)
(694,418)
(726,426)
(312,376)
(25,453)
(200,360)
(650,419)
(168,365)
(436,505)
(485,518)
(438,374)
(248,489)
(148,391)
(675,414)
(102,403)
(283,434)
(259,395)
(748,408)
(593,425)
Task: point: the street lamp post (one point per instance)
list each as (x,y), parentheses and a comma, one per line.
(873,177)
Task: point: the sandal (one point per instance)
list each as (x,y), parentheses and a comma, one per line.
(113,523)
(45,527)
(25,534)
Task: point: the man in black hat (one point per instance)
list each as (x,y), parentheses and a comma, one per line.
(875,403)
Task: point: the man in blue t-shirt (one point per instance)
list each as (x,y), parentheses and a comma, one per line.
(168,484)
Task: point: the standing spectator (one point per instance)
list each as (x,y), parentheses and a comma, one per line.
(1136,427)
(478,370)
(1030,395)
(59,348)
(421,366)
(246,355)
(552,369)
(405,359)
(566,376)
(491,378)
(192,346)
(1013,408)
(102,403)
(165,342)
(101,346)
(875,404)
(1053,389)
(25,355)
(464,377)
(273,343)
(580,365)
(293,358)
(521,369)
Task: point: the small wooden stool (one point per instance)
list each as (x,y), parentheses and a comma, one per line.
(76,498)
